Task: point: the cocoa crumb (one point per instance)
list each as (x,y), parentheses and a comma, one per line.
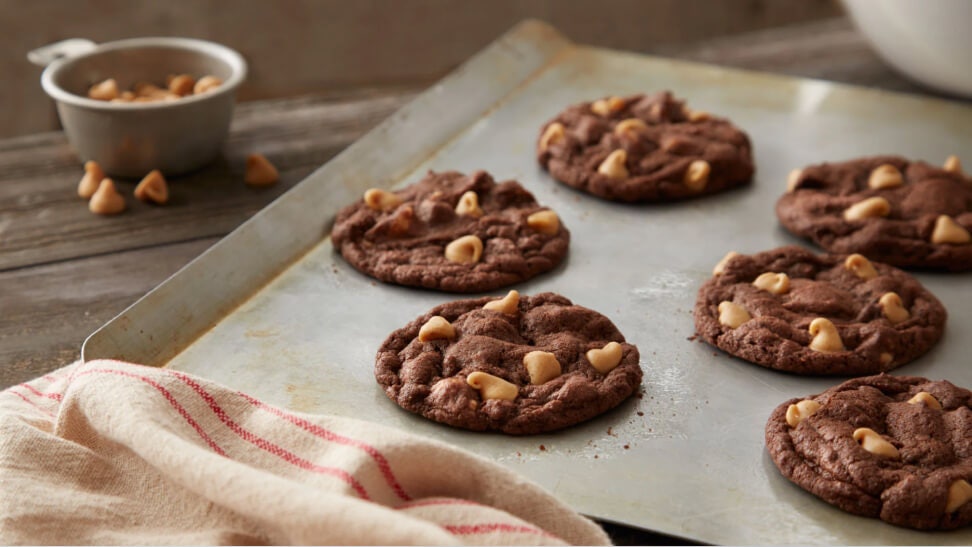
(543,448)
(627,446)
(640,413)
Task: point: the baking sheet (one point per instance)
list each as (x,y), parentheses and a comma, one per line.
(686,457)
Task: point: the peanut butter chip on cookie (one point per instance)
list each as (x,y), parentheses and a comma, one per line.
(953,165)
(959,493)
(508,304)
(826,339)
(613,166)
(871,441)
(776,283)
(605,360)
(542,366)
(545,222)
(732,315)
(885,176)
(553,134)
(465,250)
(492,387)
(947,231)
(798,412)
(860,266)
(926,399)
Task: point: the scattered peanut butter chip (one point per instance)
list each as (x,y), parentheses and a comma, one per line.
(93,175)
(381,200)
(947,231)
(606,107)
(106,200)
(153,188)
(469,205)
(697,175)
(259,171)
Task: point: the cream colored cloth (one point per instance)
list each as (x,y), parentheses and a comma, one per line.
(114,453)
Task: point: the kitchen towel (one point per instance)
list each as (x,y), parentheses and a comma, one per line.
(113,453)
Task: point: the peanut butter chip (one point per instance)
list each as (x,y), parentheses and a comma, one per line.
(106,200)
(860,266)
(697,175)
(732,315)
(869,208)
(798,412)
(93,175)
(720,267)
(793,179)
(776,283)
(553,134)
(885,176)
(206,83)
(893,309)
(546,222)
(606,107)
(104,91)
(492,387)
(153,188)
(509,304)
(542,366)
(469,205)
(437,328)
(926,399)
(465,250)
(874,443)
(606,359)
(630,127)
(181,85)
(947,231)
(697,115)
(380,200)
(259,171)
(959,493)
(826,339)
(885,358)
(613,166)
(953,165)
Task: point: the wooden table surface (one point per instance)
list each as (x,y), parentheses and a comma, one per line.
(64,271)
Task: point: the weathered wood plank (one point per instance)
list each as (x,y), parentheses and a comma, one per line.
(43,220)
(47,311)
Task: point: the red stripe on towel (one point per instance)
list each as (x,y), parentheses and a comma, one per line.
(328,435)
(35,391)
(168,397)
(31,403)
(470,529)
(268,446)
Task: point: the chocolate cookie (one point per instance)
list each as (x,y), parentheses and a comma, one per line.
(451,232)
(895,448)
(648,148)
(908,214)
(789,309)
(520,365)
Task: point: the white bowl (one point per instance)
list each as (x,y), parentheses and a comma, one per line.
(927,40)
(131,139)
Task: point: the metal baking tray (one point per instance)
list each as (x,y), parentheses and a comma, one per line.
(274,311)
